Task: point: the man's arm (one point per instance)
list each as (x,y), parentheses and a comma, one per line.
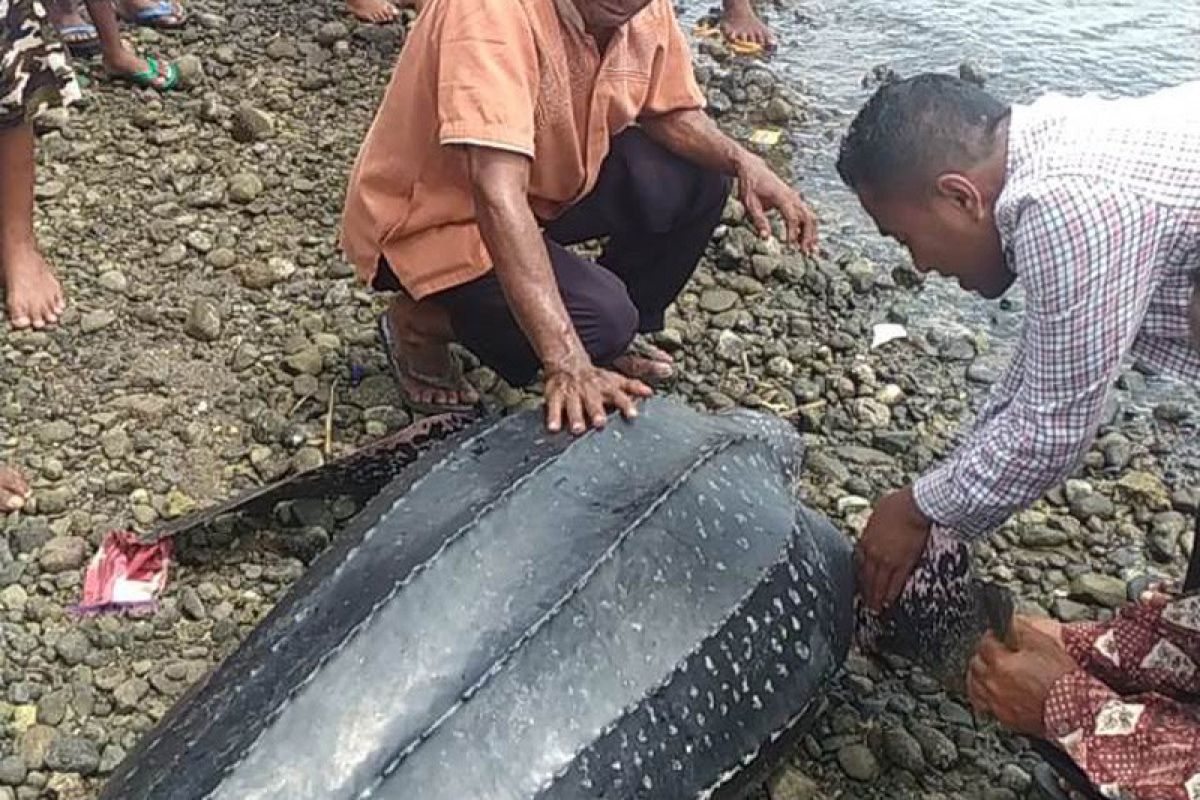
(1141,747)
(1150,646)
(692,135)
(575,388)
(1087,258)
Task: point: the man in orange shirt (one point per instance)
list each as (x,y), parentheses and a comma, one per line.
(510,129)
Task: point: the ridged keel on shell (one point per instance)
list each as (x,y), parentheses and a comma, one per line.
(632,613)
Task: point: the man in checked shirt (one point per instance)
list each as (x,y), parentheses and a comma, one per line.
(1095,205)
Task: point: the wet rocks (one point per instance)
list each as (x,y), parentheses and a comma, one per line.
(191,71)
(939,750)
(331,32)
(203,321)
(73,754)
(861,273)
(1145,489)
(34,744)
(73,647)
(789,783)
(1043,536)
(245,188)
(904,751)
(12,771)
(251,124)
(716,301)
(1098,589)
(266,275)
(95,321)
(858,762)
(971,72)
(130,692)
(63,554)
(55,432)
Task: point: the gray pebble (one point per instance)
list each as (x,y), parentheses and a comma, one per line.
(857,761)
(74,754)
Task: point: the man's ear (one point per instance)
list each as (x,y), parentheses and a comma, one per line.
(962,192)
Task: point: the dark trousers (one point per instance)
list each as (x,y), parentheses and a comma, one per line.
(658,212)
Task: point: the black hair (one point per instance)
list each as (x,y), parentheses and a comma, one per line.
(919,127)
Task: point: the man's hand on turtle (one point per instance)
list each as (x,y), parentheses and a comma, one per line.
(581,393)
(889,548)
(1012,684)
(761,190)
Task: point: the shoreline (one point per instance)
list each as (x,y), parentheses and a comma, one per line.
(210,316)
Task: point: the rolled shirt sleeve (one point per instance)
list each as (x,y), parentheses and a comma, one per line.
(1086,256)
(673,84)
(487,76)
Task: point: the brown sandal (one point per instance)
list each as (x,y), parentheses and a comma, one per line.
(403,372)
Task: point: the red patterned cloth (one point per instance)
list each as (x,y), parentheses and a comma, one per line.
(1130,716)
(126,574)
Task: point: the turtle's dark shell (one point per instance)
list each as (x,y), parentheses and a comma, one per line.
(637,612)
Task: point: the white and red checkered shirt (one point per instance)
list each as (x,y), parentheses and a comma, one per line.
(1100,220)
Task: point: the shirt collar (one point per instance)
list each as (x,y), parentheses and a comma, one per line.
(1014,162)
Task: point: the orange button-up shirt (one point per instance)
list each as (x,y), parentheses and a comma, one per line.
(511,74)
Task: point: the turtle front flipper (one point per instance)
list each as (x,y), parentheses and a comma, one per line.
(942,614)
(359,475)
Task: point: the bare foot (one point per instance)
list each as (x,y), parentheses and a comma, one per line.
(426,369)
(13,490)
(379,12)
(34,296)
(739,23)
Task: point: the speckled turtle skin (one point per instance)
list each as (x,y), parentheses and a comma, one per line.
(640,612)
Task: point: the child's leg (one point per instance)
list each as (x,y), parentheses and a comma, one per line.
(33,295)
(118,59)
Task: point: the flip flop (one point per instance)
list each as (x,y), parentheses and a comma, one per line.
(404,373)
(155,16)
(86,41)
(146,79)
(640,348)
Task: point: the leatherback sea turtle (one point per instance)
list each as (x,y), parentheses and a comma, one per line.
(644,611)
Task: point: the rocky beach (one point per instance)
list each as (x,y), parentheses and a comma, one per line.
(216,340)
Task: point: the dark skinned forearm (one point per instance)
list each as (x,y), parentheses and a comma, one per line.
(692,135)
(514,241)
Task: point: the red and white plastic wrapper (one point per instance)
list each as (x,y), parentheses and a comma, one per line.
(125,575)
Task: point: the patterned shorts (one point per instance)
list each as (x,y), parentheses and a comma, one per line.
(34,71)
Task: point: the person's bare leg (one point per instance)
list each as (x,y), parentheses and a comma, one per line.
(423,336)
(740,23)
(379,12)
(13,490)
(33,295)
(117,58)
